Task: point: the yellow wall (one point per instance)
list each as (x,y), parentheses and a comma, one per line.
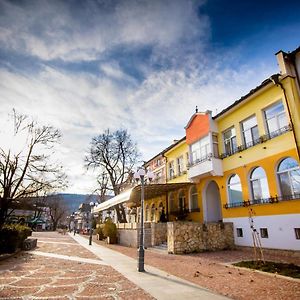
(179,150)
(270,166)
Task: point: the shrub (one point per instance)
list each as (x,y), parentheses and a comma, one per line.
(99,231)
(12,237)
(110,229)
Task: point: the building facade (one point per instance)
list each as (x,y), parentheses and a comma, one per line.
(244,163)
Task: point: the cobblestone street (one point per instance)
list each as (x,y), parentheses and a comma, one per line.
(29,275)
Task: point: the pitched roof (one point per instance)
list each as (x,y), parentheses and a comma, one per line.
(243,98)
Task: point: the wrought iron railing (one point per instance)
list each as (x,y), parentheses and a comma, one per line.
(260,140)
(270,200)
(209,156)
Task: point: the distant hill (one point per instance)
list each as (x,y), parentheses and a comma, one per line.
(74,200)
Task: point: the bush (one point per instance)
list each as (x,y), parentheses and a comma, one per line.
(99,231)
(12,237)
(110,229)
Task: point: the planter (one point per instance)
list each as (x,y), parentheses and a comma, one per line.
(111,240)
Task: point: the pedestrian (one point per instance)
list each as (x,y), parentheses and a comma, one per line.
(162,217)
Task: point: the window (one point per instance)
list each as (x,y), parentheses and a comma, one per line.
(259,184)
(275,118)
(289,177)
(147,213)
(180,165)
(193,199)
(297,233)
(171,170)
(215,145)
(153,213)
(230,141)
(250,132)
(172,204)
(158,162)
(234,189)
(264,233)
(200,150)
(239,232)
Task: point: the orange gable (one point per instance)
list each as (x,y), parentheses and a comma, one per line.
(197,128)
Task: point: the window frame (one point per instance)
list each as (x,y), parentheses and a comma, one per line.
(233,149)
(251,180)
(278,127)
(234,184)
(288,172)
(254,140)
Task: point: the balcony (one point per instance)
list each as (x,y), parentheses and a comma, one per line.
(260,140)
(270,200)
(206,166)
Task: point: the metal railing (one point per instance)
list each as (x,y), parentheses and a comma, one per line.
(209,156)
(260,140)
(270,200)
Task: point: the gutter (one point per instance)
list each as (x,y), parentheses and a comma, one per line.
(276,81)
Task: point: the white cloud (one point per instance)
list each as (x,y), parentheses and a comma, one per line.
(55,29)
(154,109)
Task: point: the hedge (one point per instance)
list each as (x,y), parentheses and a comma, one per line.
(12,237)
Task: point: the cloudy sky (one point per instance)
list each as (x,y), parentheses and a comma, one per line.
(143,65)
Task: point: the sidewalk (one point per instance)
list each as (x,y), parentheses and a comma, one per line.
(157,283)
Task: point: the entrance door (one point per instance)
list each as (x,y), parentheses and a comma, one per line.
(212,203)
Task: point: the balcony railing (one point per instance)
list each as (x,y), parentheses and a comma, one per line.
(260,140)
(209,156)
(270,200)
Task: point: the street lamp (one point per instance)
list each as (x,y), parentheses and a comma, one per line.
(92,204)
(140,175)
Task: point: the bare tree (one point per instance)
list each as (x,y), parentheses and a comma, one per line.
(58,210)
(114,155)
(26,169)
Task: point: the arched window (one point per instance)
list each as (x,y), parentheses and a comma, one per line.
(181,201)
(234,189)
(259,184)
(153,212)
(147,213)
(193,198)
(172,205)
(289,177)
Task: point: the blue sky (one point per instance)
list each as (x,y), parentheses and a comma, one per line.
(84,66)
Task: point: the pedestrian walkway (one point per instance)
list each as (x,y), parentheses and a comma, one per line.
(159,284)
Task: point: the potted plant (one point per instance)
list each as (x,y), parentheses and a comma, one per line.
(110,231)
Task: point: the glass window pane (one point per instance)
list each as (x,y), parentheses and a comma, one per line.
(256,189)
(255,133)
(287,164)
(282,121)
(272,124)
(295,177)
(247,136)
(285,186)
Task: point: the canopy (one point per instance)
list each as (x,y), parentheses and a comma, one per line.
(134,194)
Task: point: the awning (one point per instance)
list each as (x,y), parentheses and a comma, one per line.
(134,194)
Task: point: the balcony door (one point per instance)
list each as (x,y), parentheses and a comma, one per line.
(212,203)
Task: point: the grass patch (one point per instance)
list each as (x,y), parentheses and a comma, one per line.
(290,270)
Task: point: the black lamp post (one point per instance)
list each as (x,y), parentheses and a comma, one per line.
(92,204)
(140,175)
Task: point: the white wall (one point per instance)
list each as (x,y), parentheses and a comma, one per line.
(280,230)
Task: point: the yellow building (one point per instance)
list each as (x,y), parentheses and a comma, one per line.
(256,168)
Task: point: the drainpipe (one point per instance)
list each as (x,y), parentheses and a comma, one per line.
(275,80)
(166,173)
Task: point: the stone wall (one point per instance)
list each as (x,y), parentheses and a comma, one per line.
(128,234)
(158,233)
(188,237)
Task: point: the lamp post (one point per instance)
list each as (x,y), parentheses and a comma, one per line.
(140,175)
(92,204)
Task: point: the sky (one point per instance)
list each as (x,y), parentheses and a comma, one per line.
(142,65)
